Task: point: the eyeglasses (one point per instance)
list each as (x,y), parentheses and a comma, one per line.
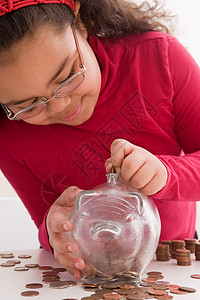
(67,87)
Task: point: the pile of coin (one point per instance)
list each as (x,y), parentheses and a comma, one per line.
(162,252)
(150,287)
(177,244)
(197,251)
(183,257)
(190,244)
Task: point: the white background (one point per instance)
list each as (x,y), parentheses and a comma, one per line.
(17,230)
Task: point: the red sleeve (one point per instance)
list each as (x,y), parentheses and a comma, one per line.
(184,172)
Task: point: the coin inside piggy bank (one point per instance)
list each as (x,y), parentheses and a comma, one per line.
(116,229)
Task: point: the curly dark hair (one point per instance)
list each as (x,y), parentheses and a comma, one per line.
(107,18)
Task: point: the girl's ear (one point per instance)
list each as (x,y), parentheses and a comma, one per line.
(77,5)
(78,20)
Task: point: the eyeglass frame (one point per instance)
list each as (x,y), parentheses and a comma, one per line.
(9,113)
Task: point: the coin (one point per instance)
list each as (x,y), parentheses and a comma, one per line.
(7,264)
(34,285)
(111,285)
(45,268)
(30,266)
(112,296)
(177,291)
(15,261)
(59,269)
(187,289)
(173,286)
(126,286)
(50,280)
(50,273)
(62,284)
(29,293)
(7,255)
(135,297)
(159,286)
(21,269)
(165,297)
(162,282)
(149,279)
(196,276)
(154,273)
(24,256)
(154,292)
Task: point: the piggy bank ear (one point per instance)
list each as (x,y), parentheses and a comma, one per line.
(83,197)
(137,198)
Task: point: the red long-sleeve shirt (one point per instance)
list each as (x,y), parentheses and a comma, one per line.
(150,96)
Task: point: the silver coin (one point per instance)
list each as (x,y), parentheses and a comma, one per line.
(21,269)
(62,284)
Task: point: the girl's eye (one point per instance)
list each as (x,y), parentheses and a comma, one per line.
(34,101)
(70,75)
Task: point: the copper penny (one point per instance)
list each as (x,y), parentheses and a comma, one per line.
(30,266)
(21,269)
(196,276)
(177,291)
(29,293)
(154,273)
(162,282)
(8,255)
(173,286)
(149,279)
(136,297)
(126,286)
(50,280)
(24,256)
(112,296)
(50,273)
(59,269)
(154,292)
(62,284)
(34,285)
(15,261)
(165,297)
(187,289)
(45,268)
(8,264)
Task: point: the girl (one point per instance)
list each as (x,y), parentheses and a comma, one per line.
(84,82)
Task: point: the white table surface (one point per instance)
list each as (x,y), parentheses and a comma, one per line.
(12,283)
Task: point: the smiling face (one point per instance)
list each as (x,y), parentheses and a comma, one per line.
(37,66)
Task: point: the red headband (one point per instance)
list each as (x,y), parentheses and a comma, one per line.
(7,6)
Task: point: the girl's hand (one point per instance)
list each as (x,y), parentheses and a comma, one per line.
(137,167)
(57,224)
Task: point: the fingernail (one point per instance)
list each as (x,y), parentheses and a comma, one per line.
(65,227)
(77,265)
(69,248)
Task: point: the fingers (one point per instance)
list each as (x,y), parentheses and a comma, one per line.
(61,244)
(108,165)
(68,197)
(119,150)
(73,264)
(138,167)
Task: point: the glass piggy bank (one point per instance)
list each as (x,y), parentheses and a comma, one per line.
(117,231)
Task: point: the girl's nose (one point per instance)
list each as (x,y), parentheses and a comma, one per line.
(57,105)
